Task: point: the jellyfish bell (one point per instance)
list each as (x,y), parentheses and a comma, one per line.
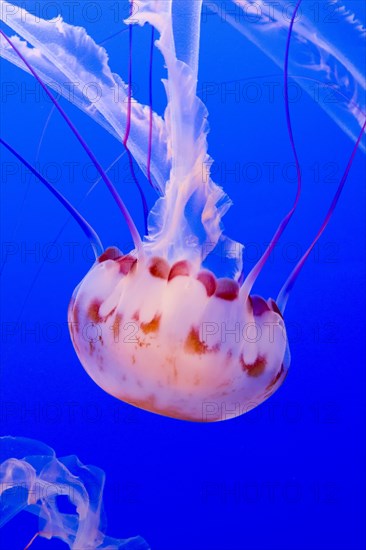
(163,326)
(167,335)
(155,327)
(176,340)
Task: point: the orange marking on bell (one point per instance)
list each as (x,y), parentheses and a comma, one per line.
(116,327)
(193,344)
(93,312)
(254,369)
(152,326)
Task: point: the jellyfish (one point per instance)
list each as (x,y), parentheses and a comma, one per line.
(34,479)
(172,326)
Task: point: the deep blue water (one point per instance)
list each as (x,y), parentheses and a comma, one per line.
(288,475)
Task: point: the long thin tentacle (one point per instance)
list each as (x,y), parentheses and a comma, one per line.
(253,274)
(32,540)
(285,290)
(128,130)
(108,38)
(149,151)
(45,128)
(57,237)
(128,125)
(84,225)
(40,143)
(133,230)
(26,192)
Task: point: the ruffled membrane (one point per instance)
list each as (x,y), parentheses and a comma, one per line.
(33,479)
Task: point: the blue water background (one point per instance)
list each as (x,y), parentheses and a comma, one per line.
(288,475)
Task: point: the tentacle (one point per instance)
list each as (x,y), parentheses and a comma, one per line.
(32,540)
(112,36)
(84,225)
(285,290)
(26,192)
(332,54)
(127,133)
(55,240)
(253,274)
(149,150)
(187,221)
(53,48)
(134,233)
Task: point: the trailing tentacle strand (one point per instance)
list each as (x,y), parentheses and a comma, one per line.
(133,230)
(149,150)
(285,290)
(252,276)
(84,225)
(127,135)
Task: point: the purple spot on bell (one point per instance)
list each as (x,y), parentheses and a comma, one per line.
(259,305)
